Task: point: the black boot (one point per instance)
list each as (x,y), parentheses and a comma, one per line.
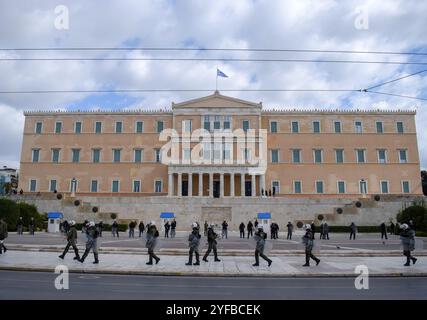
(76,252)
(95,255)
(197,263)
(307,261)
(190,259)
(216,259)
(82,259)
(150,260)
(408,263)
(256,264)
(413,259)
(205,258)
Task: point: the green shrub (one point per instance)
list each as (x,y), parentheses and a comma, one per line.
(10,211)
(362,229)
(417,213)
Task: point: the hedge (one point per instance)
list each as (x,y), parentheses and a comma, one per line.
(105,227)
(362,229)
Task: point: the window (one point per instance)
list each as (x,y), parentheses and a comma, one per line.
(296,156)
(297,187)
(316,126)
(341,186)
(78,127)
(157,155)
(39,127)
(52,185)
(363,186)
(137,155)
(275,185)
(116,155)
(217,150)
(317,155)
(207,123)
(319,186)
(98,127)
(75,155)
(273,126)
(275,155)
(403,156)
(207,151)
(36,155)
(384,186)
(405,186)
(115,185)
(358,126)
(227,122)
(379,126)
(94,186)
(245,125)
(382,156)
(159,126)
(58,127)
(217,123)
(227,151)
(247,154)
(157,186)
(55,155)
(75,185)
(339,155)
(96,155)
(399,127)
(337,126)
(33,185)
(136,186)
(186,126)
(360,155)
(295,126)
(139,127)
(187,154)
(119,127)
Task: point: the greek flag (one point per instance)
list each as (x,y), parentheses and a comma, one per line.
(219,73)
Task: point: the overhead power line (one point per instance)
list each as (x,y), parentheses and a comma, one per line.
(394,80)
(396,95)
(217,59)
(211,49)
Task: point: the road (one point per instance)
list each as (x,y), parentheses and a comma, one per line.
(39,285)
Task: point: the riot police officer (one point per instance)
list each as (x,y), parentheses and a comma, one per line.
(92,242)
(152,235)
(193,243)
(72,241)
(308,240)
(260,237)
(212,236)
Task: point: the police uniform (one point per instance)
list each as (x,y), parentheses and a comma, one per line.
(260,237)
(212,236)
(92,242)
(72,241)
(308,241)
(152,235)
(193,243)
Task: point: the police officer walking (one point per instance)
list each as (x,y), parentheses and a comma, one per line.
(326,231)
(407,236)
(31,226)
(193,243)
(3,235)
(212,236)
(20,225)
(173,228)
(290,227)
(72,241)
(250,228)
(383,231)
(353,230)
(167,227)
(92,242)
(115,229)
(152,235)
(242,230)
(224,230)
(308,241)
(260,237)
(141,228)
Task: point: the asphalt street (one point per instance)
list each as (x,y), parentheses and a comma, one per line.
(39,285)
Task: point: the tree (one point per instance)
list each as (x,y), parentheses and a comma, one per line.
(424,181)
(10,211)
(417,213)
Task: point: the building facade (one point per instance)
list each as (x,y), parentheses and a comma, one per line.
(311,153)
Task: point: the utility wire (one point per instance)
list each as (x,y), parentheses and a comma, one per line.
(384,83)
(396,95)
(217,59)
(210,49)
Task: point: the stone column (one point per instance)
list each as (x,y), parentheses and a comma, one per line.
(232,185)
(211,185)
(221,185)
(170,185)
(242,185)
(200,184)
(179,193)
(253,185)
(190,184)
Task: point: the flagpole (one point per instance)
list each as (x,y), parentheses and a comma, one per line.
(216,80)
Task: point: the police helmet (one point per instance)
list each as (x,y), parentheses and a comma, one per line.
(91,224)
(404,226)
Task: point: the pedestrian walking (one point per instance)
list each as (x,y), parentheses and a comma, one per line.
(167,228)
(152,235)
(353,230)
(71,241)
(91,243)
(141,228)
(290,227)
(392,228)
(321,231)
(66,226)
(20,226)
(132,226)
(313,228)
(115,229)
(383,229)
(256,224)
(173,228)
(100,228)
(212,236)
(260,238)
(407,237)
(205,228)
(308,241)
(3,235)
(250,228)
(224,230)
(242,230)
(193,243)
(31,226)
(326,231)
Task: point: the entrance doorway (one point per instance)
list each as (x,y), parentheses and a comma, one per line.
(248,188)
(184,188)
(216,185)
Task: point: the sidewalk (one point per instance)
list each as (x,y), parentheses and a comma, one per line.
(236,266)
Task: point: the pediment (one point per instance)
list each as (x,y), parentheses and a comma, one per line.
(216,100)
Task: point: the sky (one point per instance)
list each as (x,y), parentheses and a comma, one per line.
(397,26)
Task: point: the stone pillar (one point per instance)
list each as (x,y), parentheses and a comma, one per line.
(253,185)
(179,194)
(232,185)
(170,185)
(200,184)
(262,183)
(242,185)
(211,185)
(221,185)
(190,184)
